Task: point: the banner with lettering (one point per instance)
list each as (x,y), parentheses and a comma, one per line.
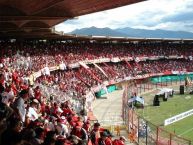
(178,117)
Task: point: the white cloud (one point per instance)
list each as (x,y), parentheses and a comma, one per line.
(148,14)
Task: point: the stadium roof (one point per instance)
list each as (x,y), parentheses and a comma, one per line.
(21,18)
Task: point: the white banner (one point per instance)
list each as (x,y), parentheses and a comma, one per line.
(137,59)
(173,56)
(142,58)
(45,71)
(73,65)
(115,59)
(53,68)
(126,58)
(62,66)
(100,60)
(180,57)
(153,57)
(175,72)
(37,74)
(178,117)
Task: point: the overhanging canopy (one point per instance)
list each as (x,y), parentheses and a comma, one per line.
(36,17)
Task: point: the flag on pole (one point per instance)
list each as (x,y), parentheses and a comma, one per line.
(83,65)
(100,69)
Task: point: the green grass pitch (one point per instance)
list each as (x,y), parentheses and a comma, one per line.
(175,105)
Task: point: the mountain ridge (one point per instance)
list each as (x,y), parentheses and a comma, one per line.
(132,32)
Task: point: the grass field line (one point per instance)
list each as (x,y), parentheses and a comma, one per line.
(186,131)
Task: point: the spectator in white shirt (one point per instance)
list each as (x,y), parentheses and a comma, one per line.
(32,110)
(19,104)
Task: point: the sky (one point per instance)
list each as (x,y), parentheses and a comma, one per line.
(176,15)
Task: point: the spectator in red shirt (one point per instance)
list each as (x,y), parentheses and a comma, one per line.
(81,133)
(120,141)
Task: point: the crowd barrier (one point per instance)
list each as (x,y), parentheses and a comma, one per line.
(144,132)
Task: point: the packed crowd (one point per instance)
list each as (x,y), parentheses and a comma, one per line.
(79,83)
(28,115)
(31,56)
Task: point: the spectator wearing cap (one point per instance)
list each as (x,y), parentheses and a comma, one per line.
(62,126)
